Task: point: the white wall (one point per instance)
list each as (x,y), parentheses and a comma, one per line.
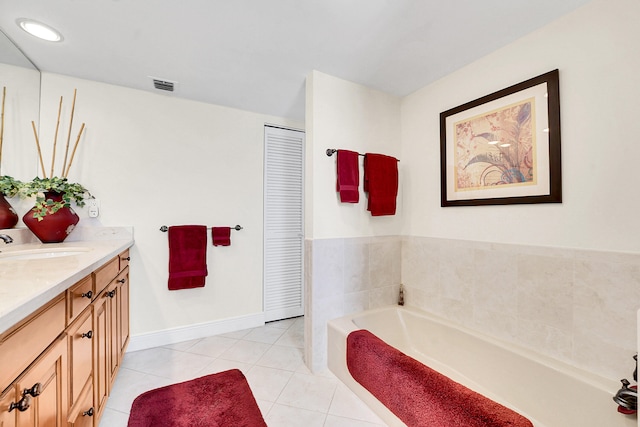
(157,160)
(595,49)
(345,115)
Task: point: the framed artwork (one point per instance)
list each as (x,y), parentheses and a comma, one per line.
(503,148)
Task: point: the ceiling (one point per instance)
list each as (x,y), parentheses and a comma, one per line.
(255,54)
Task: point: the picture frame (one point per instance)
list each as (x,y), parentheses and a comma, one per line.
(503,148)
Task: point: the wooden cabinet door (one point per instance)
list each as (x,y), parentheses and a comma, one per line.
(8,419)
(113,295)
(81,337)
(50,371)
(118,293)
(123,311)
(83,414)
(101,348)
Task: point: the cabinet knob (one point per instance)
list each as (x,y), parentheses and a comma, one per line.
(121,280)
(87,335)
(34,391)
(21,405)
(111,294)
(88,413)
(128,258)
(87,295)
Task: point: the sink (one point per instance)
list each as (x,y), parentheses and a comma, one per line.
(43,253)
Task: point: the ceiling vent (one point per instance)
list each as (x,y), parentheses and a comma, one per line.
(165,85)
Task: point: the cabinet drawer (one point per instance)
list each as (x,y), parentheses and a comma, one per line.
(78,298)
(105,274)
(124,259)
(23,343)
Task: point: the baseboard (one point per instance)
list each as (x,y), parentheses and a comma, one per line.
(192,332)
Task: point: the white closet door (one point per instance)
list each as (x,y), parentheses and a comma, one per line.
(283,223)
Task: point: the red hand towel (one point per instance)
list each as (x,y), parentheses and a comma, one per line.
(187,256)
(221,236)
(381,181)
(348,176)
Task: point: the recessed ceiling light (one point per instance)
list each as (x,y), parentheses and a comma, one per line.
(39,30)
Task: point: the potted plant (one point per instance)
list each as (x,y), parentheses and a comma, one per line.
(52,218)
(52,194)
(9,187)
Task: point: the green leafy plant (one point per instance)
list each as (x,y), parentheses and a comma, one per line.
(39,186)
(9,186)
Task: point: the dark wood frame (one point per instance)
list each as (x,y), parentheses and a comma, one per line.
(555,171)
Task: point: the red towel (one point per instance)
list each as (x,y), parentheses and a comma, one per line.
(381,181)
(417,394)
(221,236)
(187,256)
(348,176)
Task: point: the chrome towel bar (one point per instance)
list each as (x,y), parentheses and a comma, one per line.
(164,228)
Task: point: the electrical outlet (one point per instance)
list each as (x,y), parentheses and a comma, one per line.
(94,208)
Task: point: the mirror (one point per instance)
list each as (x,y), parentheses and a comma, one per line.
(21,79)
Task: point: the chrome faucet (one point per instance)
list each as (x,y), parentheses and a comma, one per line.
(627,397)
(6,238)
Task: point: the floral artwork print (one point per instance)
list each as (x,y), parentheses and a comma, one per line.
(496,148)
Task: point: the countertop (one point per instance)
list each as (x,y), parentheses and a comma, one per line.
(26,285)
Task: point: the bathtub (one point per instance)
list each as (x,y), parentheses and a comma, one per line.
(548,392)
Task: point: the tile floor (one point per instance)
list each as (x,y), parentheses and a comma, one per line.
(271,357)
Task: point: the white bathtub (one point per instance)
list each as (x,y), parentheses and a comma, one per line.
(548,392)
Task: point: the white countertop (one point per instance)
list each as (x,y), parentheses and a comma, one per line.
(26,285)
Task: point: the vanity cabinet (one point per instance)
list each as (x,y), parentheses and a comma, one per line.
(58,365)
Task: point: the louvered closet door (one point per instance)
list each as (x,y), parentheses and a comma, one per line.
(283,223)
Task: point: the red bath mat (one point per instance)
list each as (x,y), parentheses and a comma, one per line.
(418,395)
(219,400)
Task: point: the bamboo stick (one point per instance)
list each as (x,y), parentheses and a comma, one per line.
(73,153)
(66,150)
(55,139)
(35,133)
(4,94)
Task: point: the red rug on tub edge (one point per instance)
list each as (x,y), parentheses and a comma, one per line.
(219,400)
(418,395)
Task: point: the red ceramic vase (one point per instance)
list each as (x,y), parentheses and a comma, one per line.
(8,216)
(54,227)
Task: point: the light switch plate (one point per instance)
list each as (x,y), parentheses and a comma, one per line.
(94,208)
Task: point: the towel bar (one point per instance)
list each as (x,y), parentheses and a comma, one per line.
(330,152)
(164,228)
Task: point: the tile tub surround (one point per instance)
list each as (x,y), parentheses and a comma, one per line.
(578,306)
(344,276)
